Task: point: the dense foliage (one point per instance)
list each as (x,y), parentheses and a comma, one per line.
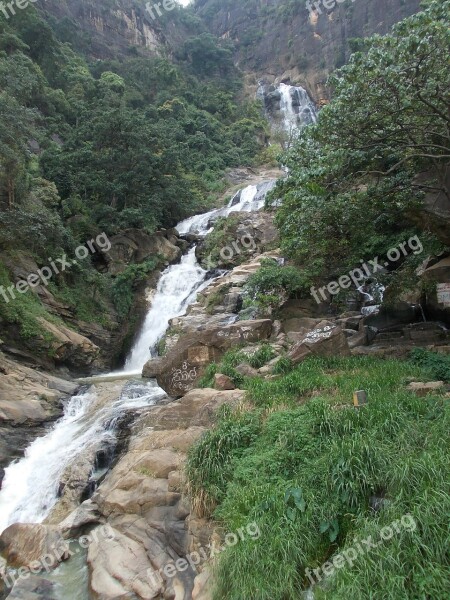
(353,176)
(90,146)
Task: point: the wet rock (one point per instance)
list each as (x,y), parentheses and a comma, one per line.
(74,525)
(33,588)
(28,400)
(25,545)
(223,382)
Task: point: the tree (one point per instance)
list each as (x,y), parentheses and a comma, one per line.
(352,176)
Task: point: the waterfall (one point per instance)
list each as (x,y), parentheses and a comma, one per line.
(296,107)
(248,199)
(180,284)
(289,108)
(30,487)
(177,289)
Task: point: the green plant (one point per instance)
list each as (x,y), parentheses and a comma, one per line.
(436,365)
(209,464)
(273,284)
(122,289)
(261,357)
(306,474)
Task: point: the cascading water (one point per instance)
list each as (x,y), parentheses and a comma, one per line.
(289,108)
(177,288)
(30,486)
(296,107)
(248,199)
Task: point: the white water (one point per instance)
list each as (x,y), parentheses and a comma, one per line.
(294,111)
(177,289)
(249,199)
(180,284)
(30,487)
(296,107)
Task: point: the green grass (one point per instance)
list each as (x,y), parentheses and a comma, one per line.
(231,360)
(436,365)
(303,464)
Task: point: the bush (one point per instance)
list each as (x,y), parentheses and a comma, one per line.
(436,365)
(273,284)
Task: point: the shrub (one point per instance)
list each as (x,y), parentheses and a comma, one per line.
(273,284)
(437,365)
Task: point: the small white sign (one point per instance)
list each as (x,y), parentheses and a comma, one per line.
(443,293)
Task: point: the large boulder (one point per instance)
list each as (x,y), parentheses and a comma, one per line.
(327,339)
(179,371)
(119,569)
(69,347)
(135,246)
(142,501)
(33,546)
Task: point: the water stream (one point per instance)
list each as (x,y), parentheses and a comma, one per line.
(31,485)
(30,488)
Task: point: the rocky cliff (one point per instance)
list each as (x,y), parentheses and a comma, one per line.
(278,39)
(107,28)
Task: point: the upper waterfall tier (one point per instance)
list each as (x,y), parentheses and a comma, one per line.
(289,108)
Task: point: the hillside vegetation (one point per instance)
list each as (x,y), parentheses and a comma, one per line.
(90,146)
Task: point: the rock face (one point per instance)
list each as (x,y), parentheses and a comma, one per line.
(179,371)
(141,501)
(69,347)
(24,545)
(112,31)
(28,400)
(135,246)
(290,41)
(327,339)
